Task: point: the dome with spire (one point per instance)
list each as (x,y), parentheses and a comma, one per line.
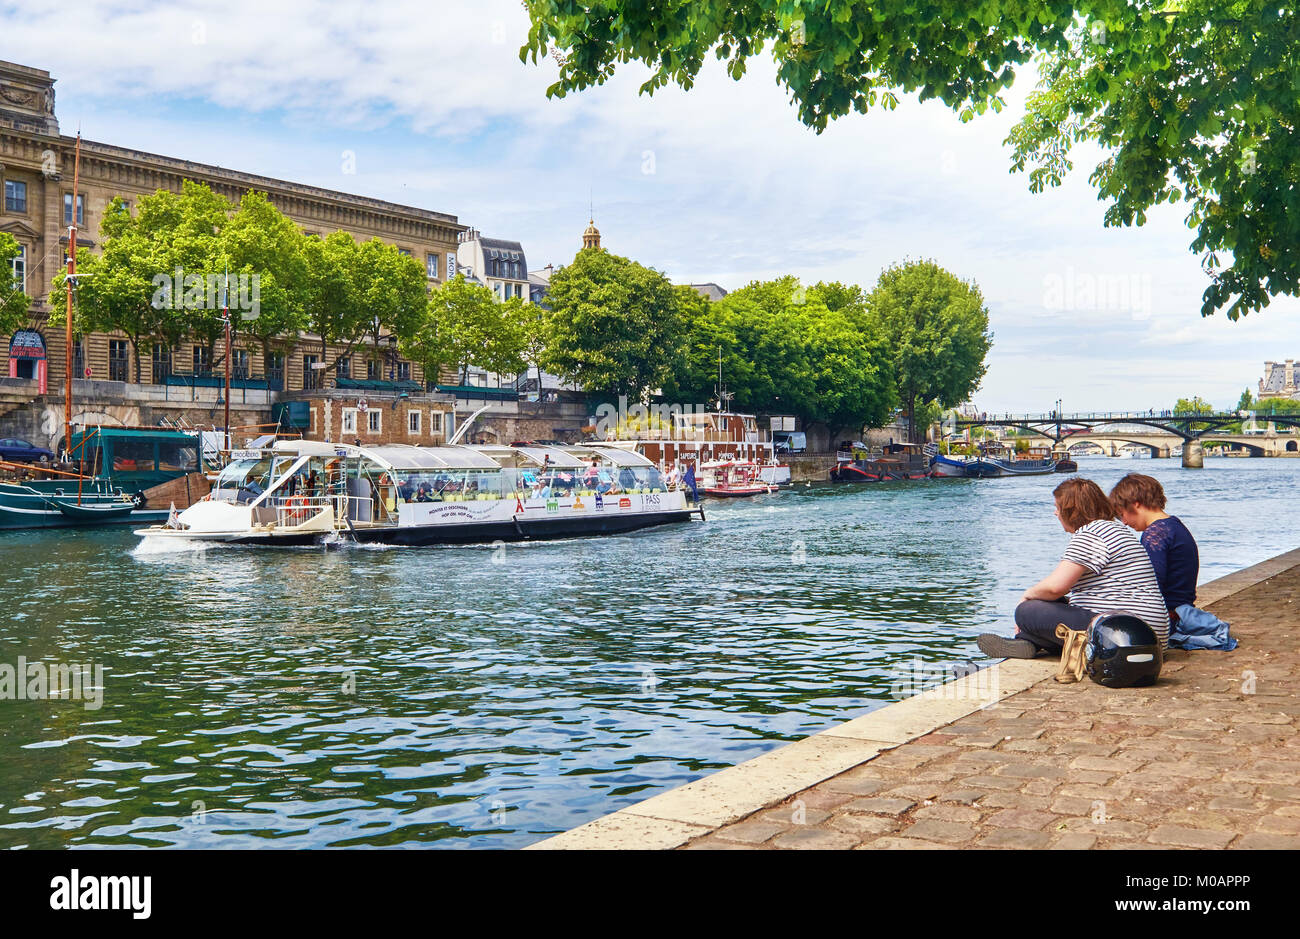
(591,237)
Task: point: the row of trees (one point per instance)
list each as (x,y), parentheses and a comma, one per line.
(154,281)
(830,353)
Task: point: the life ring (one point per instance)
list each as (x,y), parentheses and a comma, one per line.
(297,509)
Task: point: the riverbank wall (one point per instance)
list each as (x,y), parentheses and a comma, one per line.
(1006,757)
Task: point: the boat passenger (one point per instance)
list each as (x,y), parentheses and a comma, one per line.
(1104,570)
(1139,501)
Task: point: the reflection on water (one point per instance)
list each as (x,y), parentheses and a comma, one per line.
(480,696)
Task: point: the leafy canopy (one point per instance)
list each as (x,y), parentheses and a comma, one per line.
(613,325)
(935,326)
(1191,100)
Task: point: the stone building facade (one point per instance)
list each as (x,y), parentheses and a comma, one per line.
(36,166)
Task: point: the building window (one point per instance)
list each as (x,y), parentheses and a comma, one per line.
(435,422)
(431,264)
(20,269)
(345,367)
(162,364)
(310,373)
(15,196)
(413,422)
(349,420)
(67,208)
(123,206)
(374,370)
(404,252)
(239,364)
(374,420)
(79,359)
(201,359)
(118,360)
(275,371)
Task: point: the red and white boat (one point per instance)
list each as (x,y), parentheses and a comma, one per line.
(729,479)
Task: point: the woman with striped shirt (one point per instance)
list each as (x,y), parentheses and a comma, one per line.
(1104,569)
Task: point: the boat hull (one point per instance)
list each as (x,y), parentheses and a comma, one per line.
(869,471)
(985,468)
(38,504)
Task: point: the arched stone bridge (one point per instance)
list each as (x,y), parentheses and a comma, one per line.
(1260,435)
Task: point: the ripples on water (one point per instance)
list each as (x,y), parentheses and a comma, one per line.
(484,697)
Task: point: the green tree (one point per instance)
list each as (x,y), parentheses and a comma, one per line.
(936,328)
(782,348)
(613,325)
(1196,405)
(14,304)
(330,295)
(131,285)
(1193,100)
(1246,402)
(260,241)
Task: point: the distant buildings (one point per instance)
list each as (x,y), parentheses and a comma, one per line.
(1279,381)
(499,264)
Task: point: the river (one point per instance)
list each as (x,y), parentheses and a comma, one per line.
(489,696)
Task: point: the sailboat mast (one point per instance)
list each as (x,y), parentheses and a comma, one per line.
(68,357)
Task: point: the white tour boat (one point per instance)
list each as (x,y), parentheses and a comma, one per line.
(307,492)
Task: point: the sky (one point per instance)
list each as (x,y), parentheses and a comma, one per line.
(428,104)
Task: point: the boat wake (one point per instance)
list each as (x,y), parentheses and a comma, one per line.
(155,547)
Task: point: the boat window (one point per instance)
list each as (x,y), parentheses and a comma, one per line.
(133,454)
(241,481)
(454,485)
(179,456)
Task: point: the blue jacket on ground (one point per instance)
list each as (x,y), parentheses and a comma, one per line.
(1197,629)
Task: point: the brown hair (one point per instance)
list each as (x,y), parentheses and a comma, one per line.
(1136,489)
(1081,501)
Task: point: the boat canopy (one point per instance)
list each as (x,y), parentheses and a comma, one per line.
(559,458)
(615,455)
(396,456)
(406,457)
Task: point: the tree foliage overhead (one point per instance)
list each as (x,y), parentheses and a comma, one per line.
(1192,100)
(935,326)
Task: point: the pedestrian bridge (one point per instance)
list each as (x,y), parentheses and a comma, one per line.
(1159,432)
(1162,445)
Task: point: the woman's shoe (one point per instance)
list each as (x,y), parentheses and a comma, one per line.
(1000,647)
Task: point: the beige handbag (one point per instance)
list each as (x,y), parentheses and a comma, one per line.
(1074,641)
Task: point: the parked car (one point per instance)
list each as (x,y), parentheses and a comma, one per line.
(789,441)
(20,451)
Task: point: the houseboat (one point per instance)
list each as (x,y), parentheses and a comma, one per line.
(855,463)
(127,475)
(307,492)
(695,438)
(996,462)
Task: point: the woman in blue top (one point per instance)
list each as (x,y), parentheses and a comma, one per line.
(1139,501)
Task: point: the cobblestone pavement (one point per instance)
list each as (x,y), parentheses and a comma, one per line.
(1208,758)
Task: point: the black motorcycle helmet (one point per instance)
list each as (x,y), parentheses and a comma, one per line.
(1122,651)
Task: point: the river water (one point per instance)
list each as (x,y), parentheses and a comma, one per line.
(487,697)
